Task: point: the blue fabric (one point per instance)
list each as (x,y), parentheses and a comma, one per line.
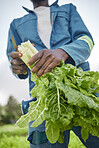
(47,144)
(91,142)
(67,27)
(25,105)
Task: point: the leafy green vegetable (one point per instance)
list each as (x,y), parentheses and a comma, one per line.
(66,97)
(52,131)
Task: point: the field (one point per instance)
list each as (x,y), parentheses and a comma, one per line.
(14,137)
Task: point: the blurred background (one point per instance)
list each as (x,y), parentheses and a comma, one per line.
(13,90)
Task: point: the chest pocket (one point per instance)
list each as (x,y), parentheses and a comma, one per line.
(61,25)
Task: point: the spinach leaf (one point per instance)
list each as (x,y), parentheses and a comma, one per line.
(66,97)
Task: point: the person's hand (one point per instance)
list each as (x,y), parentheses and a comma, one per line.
(18,66)
(46,60)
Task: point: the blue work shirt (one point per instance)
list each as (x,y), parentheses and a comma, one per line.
(68,33)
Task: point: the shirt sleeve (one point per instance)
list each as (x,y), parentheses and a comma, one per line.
(82,43)
(10,47)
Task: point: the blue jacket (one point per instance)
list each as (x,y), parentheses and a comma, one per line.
(68,32)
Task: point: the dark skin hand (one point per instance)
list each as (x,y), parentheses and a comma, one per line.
(46,60)
(18,66)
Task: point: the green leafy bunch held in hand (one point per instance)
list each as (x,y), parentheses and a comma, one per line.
(66,97)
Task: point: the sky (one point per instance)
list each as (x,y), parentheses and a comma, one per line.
(9,85)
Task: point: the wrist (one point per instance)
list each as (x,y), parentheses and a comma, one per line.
(64,54)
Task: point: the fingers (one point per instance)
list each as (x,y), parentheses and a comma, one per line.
(16,61)
(52,66)
(42,58)
(48,65)
(45,60)
(15,55)
(18,72)
(22,67)
(15,58)
(35,58)
(18,66)
(19,69)
(41,71)
(37,66)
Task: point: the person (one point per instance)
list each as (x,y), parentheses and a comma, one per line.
(58,33)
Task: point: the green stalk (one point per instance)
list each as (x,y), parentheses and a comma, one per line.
(27,50)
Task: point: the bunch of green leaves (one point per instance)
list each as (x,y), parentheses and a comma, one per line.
(66,97)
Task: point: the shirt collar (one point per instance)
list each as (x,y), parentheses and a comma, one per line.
(55,3)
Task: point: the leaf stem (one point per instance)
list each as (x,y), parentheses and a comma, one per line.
(58,99)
